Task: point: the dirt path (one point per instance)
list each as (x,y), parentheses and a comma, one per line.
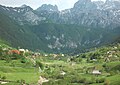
(3,82)
(42,80)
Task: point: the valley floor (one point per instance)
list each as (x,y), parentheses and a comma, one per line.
(57,72)
(97,67)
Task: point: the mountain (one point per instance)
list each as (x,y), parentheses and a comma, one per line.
(85,12)
(49,8)
(23,14)
(88,13)
(86,25)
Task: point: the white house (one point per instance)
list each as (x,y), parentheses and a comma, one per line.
(63,73)
(96,72)
(22,50)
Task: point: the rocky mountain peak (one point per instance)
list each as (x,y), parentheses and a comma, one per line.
(85,12)
(78,27)
(25,7)
(85,4)
(48,7)
(112,4)
(112,0)
(99,4)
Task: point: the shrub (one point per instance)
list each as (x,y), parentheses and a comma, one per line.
(60,77)
(61,82)
(39,64)
(7,58)
(83,56)
(112,73)
(12,64)
(107,82)
(16,56)
(82,80)
(3,78)
(75,79)
(104,65)
(23,60)
(0,76)
(93,79)
(100,80)
(18,81)
(87,82)
(22,82)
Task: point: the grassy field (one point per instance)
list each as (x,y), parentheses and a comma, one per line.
(76,74)
(67,70)
(18,72)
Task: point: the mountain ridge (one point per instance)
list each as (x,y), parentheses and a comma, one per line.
(85,12)
(51,30)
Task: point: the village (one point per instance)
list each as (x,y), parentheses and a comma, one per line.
(96,67)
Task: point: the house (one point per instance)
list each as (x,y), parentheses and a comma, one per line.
(55,55)
(96,72)
(94,59)
(62,73)
(62,55)
(22,51)
(46,55)
(14,52)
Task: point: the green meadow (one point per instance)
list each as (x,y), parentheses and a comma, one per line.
(55,69)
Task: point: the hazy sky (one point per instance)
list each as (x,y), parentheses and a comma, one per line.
(62,4)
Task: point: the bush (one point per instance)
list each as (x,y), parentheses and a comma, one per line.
(82,80)
(39,64)
(61,82)
(100,80)
(3,78)
(78,60)
(75,79)
(93,79)
(0,76)
(23,60)
(60,77)
(7,58)
(112,73)
(12,64)
(87,82)
(16,56)
(107,82)
(104,65)
(22,82)
(18,81)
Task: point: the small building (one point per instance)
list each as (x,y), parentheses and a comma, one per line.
(62,73)
(46,55)
(62,55)
(96,72)
(22,51)
(14,52)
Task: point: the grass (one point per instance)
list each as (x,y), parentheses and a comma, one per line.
(28,77)
(75,74)
(113,64)
(114,80)
(18,72)
(31,75)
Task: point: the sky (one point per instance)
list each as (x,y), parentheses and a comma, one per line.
(62,4)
